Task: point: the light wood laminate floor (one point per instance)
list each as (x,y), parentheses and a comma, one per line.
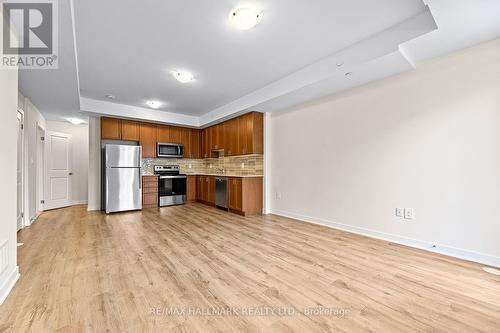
(172,269)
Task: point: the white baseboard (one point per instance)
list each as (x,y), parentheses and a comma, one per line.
(482,258)
(78,202)
(91,208)
(9,283)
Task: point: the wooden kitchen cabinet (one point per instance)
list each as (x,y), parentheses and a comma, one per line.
(191,189)
(199,188)
(205,190)
(238,136)
(205,143)
(149,191)
(235,194)
(211,189)
(250,134)
(202,189)
(130,130)
(111,129)
(163,133)
(148,139)
(195,143)
(245,195)
(232,137)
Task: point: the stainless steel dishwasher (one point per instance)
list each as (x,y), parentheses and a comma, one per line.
(221,192)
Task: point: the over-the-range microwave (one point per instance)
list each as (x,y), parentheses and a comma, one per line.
(173,150)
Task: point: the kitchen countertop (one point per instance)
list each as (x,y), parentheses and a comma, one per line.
(214,174)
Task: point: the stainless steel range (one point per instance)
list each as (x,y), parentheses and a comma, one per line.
(172,187)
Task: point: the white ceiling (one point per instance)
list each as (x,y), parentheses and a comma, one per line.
(128,48)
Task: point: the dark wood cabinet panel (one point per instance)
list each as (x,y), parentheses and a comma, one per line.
(226,138)
(195,143)
(149,191)
(148,139)
(186,142)
(163,133)
(216,137)
(257,133)
(233,138)
(238,136)
(176,134)
(211,189)
(242,135)
(245,195)
(111,129)
(130,130)
(235,193)
(191,188)
(199,188)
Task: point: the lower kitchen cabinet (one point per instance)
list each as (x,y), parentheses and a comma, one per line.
(211,190)
(205,190)
(149,191)
(192,194)
(245,195)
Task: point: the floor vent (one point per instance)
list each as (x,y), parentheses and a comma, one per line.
(4,256)
(491,270)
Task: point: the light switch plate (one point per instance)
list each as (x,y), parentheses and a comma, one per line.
(399,212)
(409,213)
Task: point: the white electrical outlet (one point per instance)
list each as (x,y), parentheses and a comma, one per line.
(399,212)
(243,165)
(190,166)
(409,213)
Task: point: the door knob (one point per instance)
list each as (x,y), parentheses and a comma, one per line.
(71,173)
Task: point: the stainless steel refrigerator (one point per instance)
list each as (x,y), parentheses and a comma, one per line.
(123,183)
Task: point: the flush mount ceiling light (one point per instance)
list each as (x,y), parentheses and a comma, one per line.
(183,77)
(75,121)
(110,96)
(245,18)
(154,104)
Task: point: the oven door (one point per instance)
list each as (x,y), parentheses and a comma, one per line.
(172,190)
(169,150)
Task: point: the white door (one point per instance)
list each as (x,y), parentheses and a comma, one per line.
(57,189)
(20,165)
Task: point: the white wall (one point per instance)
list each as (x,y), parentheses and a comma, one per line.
(80,153)
(94,164)
(427,139)
(8,176)
(32,119)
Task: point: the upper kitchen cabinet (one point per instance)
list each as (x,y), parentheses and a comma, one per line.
(164,133)
(119,129)
(170,134)
(195,143)
(251,134)
(148,139)
(239,136)
(231,141)
(191,142)
(130,130)
(111,129)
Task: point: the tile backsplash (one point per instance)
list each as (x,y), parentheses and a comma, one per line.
(245,165)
